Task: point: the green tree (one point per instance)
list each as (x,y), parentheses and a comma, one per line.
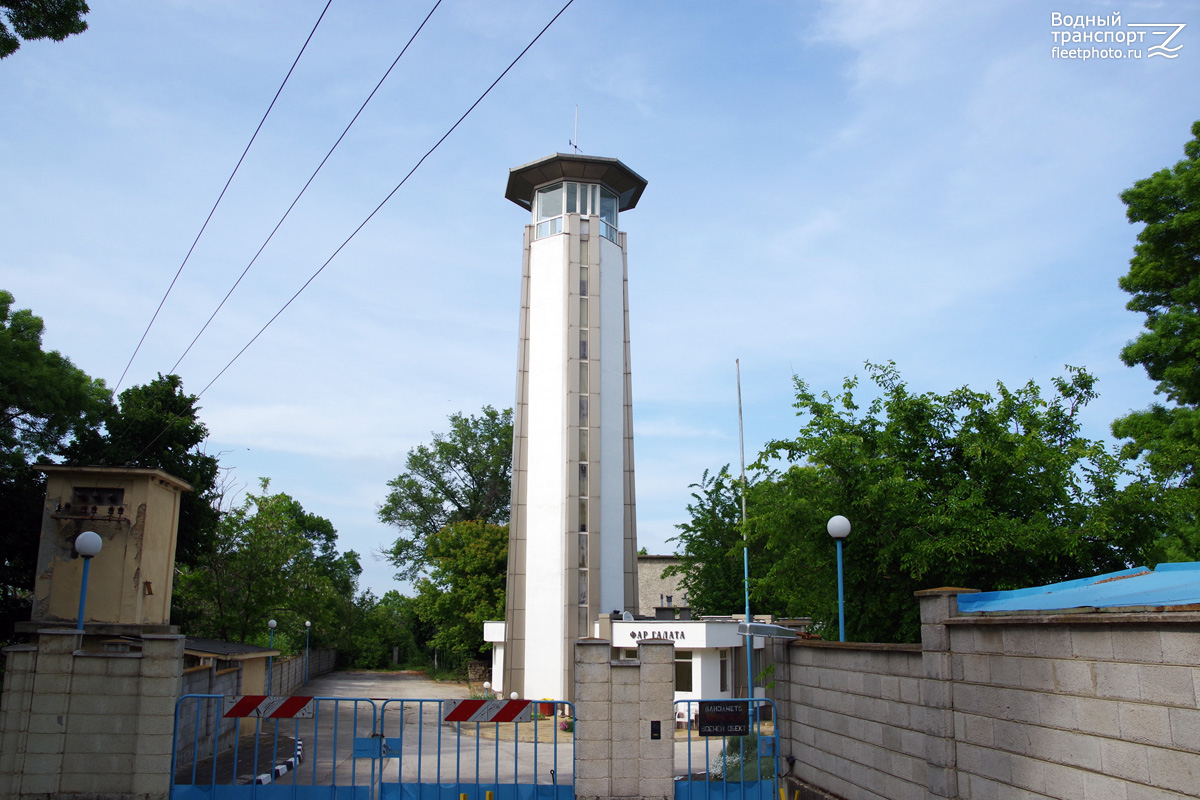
(386,623)
(156,426)
(45,401)
(39,19)
(1164,284)
(464,475)
(465,587)
(986,491)
(263,565)
(710,562)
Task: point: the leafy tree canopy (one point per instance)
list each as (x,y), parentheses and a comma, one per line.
(465,587)
(710,564)
(44,398)
(986,491)
(39,19)
(463,475)
(1164,284)
(264,564)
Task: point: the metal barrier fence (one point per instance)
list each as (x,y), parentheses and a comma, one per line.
(364,749)
(732,749)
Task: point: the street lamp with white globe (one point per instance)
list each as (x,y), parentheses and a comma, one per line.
(87,544)
(839,529)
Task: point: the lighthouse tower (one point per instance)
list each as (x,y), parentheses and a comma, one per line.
(572,533)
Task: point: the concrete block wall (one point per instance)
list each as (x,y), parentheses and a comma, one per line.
(1068,706)
(1078,706)
(198,725)
(287,674)
(88,723)
(852,717)
(616,702)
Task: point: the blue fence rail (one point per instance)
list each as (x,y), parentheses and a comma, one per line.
(367,749)
(729,767)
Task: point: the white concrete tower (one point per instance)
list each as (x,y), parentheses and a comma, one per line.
(572,533)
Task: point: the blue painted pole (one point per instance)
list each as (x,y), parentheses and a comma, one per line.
(749,639)
(841,598)
(87,562)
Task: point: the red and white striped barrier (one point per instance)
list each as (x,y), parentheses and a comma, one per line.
(487,711)
(261,705)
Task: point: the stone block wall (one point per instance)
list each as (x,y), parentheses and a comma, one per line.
(851,715)
(1078,706)
(287,674)
(1064,706)
(198,725)
(616,704)
(86,722)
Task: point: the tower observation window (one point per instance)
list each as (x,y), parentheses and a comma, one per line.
(586,199)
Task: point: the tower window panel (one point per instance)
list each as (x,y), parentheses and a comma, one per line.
(550,201)
(583,444)
(583,378)
(583,350)
(583,587)
(583,254)
(594,193)
(572,202)
(585,622)
(583,480)
(583,281)
(583,312)
(583,411)
(608,207)
(583,551)
(583,515)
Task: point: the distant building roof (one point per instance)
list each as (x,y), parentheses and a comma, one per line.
(230,650)
(1174,586)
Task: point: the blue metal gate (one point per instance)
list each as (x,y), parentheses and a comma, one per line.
(369,750)
(729,767)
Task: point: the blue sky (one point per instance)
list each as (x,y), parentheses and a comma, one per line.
(829,183)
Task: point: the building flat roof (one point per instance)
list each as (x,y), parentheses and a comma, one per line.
(1167,586)
(611,172)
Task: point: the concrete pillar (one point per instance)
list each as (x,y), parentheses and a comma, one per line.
(619,705)
(937,689)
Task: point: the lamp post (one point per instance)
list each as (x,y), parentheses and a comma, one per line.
(839,529)
(307,631)
(270,658)
(87,544)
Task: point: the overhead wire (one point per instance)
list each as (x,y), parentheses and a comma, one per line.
(376,210)
(304,188)
(383,202)
(213,210)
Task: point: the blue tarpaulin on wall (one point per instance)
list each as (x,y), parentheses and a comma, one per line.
(1167,585)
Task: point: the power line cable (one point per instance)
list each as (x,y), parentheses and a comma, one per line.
(385,199)
(374,212)
(304,188)
(213,210)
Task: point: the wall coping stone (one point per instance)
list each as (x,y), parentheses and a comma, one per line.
(95,654)
(876,646)
(1080,617)
(944,591)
